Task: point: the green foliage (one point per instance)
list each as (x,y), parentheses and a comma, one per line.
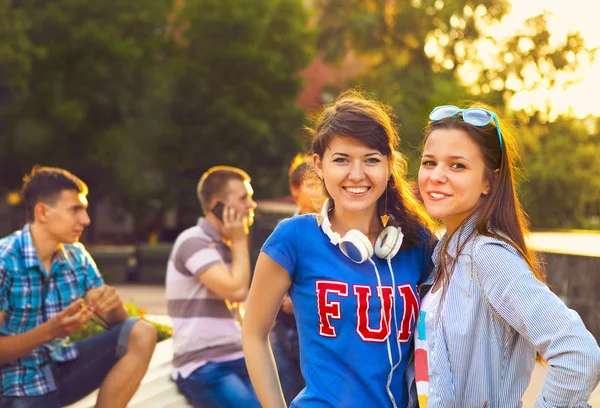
(85,82)
(415,52)
(16,51)
(398,31)
(138,98)
(562,171)
(393,37)
(164,331)
(532,50)
(235,80)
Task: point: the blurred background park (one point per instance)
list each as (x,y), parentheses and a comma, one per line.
(139,98)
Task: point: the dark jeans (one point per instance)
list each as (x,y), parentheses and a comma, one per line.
(219,385)
(77,378)
(284,342)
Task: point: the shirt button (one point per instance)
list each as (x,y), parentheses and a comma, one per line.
(28,304)
(430,314)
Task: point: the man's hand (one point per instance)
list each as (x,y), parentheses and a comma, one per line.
(104,300)
(234,224)
(286,305)
(70,320)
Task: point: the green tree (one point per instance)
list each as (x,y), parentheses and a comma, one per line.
(139,98)
(562,172)
(419,53)
(80,76)
(234,69)
(17,53)
(393,37)
(531,60)
(423,53)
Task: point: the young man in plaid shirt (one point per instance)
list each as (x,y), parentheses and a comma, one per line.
(50,288)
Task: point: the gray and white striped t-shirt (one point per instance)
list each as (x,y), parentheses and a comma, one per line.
(204,328)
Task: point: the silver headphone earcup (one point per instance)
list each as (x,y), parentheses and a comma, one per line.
(356,246)
(389,242)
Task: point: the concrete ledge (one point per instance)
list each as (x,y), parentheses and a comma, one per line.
(581,243)
(156,390)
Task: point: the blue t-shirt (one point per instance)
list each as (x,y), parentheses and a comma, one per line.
(338,309)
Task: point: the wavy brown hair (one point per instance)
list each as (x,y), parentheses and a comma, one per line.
(499,213)
(371,123)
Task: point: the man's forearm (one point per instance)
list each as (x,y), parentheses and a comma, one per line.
(240,264)
(14,347)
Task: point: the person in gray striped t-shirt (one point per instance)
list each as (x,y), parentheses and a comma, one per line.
(488,311)
(207,275)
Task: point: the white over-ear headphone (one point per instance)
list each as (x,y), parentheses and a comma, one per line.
(356,246)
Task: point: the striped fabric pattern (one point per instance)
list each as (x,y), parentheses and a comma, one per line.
(204,329)
(494,317)
(421,364)
(428,311)
(29,299)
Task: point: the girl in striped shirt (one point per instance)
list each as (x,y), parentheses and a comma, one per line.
(486,311)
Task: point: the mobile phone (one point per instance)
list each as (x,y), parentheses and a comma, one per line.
(217,210)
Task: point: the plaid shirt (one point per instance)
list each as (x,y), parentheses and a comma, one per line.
(29,298)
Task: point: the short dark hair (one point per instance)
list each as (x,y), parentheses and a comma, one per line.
(299,169)
(214,182)
(44,184)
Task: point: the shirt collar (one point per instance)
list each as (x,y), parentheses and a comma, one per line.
(61,255)
(30,256)
(209,230)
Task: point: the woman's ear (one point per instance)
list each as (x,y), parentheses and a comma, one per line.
(295,191)
(492,182)
(318,165)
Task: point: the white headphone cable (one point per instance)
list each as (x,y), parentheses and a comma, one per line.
(389,261)
(389,348)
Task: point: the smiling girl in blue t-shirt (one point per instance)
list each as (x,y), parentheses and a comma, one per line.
(352,281)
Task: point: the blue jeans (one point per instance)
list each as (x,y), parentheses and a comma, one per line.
(286,350)
(219,385)
(77,378)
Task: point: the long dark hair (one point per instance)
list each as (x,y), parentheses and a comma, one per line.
(499,213)
(370,122)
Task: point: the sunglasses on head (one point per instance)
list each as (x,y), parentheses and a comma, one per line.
(474,116)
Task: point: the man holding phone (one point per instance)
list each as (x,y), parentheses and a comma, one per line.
(208,273)
(50,288)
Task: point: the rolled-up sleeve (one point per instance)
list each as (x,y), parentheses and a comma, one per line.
(557,332)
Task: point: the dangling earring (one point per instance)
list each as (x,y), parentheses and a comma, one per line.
(385,218)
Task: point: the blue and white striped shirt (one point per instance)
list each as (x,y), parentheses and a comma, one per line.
(494,317)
